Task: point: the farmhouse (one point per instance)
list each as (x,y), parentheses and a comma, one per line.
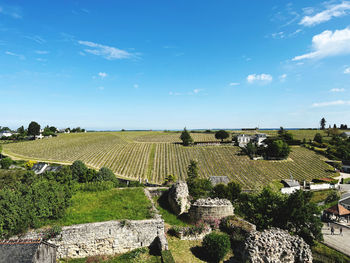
(5,134)
(27,251)
(290,186)
(244,139)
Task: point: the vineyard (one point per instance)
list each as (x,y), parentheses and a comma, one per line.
(153,155)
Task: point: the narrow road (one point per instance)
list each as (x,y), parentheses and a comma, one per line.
(337,241)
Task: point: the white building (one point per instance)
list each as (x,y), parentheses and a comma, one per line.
(5,134)
(244,139)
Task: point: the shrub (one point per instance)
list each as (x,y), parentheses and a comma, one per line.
(6,163)
(332,197)
(29,165)
(52,232)
(216,245)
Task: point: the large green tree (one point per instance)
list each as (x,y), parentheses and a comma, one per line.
(221,135)
(277,149)
(186,137)
(33,128)
(323,123)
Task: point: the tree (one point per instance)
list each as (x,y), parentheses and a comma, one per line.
(21,130)
(192,169)
(106,174)
(216,245)
(323,123)
(186,138)
(5,163)
(33,129)
(251,149)
(277,149)
(221,135)
(334,126)
(79,171)
(318,138)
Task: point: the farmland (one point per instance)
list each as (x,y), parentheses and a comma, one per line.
(153,155)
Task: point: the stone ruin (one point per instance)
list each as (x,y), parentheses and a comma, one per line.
(275,245)
(206,209)
(178,198)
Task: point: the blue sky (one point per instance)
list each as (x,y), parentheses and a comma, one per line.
(169,64)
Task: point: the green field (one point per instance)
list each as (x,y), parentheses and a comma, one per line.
(153,155)
(114,204)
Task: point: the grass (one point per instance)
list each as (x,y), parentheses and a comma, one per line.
(322,253)
(163,208)
(140,255)
(185,251)
(320,196)
(152,155)
(114,204)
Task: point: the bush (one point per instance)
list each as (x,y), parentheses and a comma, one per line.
(29,165)
(52,232)
(5,163)
(167,257)
(216,245)
(332,197)
(96,186)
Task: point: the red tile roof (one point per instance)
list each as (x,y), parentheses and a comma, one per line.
(338,209)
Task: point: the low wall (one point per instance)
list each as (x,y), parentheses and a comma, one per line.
(321,186)
(106,238)
(205,209)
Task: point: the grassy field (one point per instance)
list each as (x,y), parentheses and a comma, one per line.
(152,155)
(115,204)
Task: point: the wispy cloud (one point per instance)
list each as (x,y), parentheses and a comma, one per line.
(337,90)
(12,11)
(196,91)
(331,103)
(136,86)
(328,43)
(234,84)
(338,10)
(22,57)
(41,52)
(259,78)
(102,75)
(37,39)
(107,52)
(282,77)
(347,70)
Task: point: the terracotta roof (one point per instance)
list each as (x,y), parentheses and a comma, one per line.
(326,179)
(338,209)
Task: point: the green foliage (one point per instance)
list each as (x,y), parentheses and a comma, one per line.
(277,149)
(170,179)
(231,191)
(199,188)
(332,197)
(323,123)
(79,171)
(251,149)
(318,138)
(295,213)
(186,138)
(6,163)
(31,201)
(52,232)
(321,253)
(216,245)
(167,257)
(33,128)
(221,135)
(192,170)
(106,174)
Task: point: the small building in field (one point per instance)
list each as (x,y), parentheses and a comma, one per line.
(5,134)
(244,139)
(219,180)
(27,251)
(290,186)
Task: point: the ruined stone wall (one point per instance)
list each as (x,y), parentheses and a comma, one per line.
(204,209)
(106,238)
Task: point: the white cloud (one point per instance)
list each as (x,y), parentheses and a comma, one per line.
(110,53)
(37,39)
(196,91)
(338,10)
(259,78)
(102,74)
(136,86)
(278,35)
(41,59)
(15,55)
(42,52)
(329,43)
(337,90)
(331,103)
(234,84)
(283,77)
(347,71)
